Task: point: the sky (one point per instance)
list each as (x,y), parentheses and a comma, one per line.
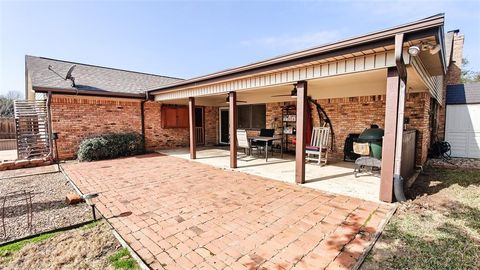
(192,38)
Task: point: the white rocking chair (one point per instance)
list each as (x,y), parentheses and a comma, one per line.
(318,148)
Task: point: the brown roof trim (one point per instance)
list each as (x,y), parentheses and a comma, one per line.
(414,30)
(68,91)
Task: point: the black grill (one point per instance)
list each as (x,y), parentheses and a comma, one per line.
(348,154)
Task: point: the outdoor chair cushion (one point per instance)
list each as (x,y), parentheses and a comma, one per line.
(312,148)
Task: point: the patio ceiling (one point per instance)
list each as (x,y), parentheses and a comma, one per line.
(348,85)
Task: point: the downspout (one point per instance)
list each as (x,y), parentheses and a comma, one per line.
(402,73)
(142,117)
(50,133)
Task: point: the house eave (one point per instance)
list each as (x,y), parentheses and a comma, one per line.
(69,91)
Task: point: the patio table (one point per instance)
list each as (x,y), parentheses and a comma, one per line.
(269,139)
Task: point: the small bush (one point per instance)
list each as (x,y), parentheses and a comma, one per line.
(108,146)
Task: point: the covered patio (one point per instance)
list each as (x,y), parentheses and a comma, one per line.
(345,86)
(337,178)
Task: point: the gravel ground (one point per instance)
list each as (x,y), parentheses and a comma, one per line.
(83,248)
(49,209)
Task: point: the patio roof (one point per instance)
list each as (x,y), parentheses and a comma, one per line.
(428,27)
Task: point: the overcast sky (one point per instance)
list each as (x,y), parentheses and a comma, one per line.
(191,38)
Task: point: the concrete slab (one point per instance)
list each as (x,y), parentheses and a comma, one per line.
(335,178)
(8,155)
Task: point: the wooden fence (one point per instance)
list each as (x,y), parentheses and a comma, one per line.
(7,128)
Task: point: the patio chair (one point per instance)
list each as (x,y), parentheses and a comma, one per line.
(318,148)
(244,142)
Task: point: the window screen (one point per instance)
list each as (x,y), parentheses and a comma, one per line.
(251,116)
(244,116)
(258,116)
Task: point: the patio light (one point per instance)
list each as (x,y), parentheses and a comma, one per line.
(413,50)
(88,199)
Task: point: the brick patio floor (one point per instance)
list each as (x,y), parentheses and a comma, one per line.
(178,214)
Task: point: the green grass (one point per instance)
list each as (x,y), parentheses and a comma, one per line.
(7,250)
(90,225)
(122,260)
(440,231)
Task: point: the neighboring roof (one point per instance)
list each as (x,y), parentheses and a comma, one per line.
(411,30)
(468,93)
(90,78)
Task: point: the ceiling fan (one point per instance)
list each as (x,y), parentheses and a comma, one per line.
(293,93)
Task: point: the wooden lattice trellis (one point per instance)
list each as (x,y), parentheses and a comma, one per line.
(32,128)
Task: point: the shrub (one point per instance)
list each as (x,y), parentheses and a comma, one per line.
(108,146)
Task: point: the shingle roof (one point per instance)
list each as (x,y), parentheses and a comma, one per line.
(468,93)
(90,77)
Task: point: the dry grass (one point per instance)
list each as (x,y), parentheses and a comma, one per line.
(86,248)
(439,229)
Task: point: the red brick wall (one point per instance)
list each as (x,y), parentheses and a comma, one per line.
(354,114)
(79,117)
(417,108)
(350,115)
(211,125)
(76,118)
(158,138)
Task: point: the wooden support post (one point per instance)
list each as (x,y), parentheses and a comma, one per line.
(389,138)
(233,128)
(394,118)
(191,125)
(301,132)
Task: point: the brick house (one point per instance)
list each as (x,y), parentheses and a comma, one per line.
(357,82)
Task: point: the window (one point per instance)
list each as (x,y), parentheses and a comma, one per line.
(251,116)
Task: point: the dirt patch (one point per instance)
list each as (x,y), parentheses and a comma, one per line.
(455,163)
(83,248)
(439,228)
(48,207)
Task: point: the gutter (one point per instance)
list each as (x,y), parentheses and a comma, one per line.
(69,91)
(142,121)
(50,127)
